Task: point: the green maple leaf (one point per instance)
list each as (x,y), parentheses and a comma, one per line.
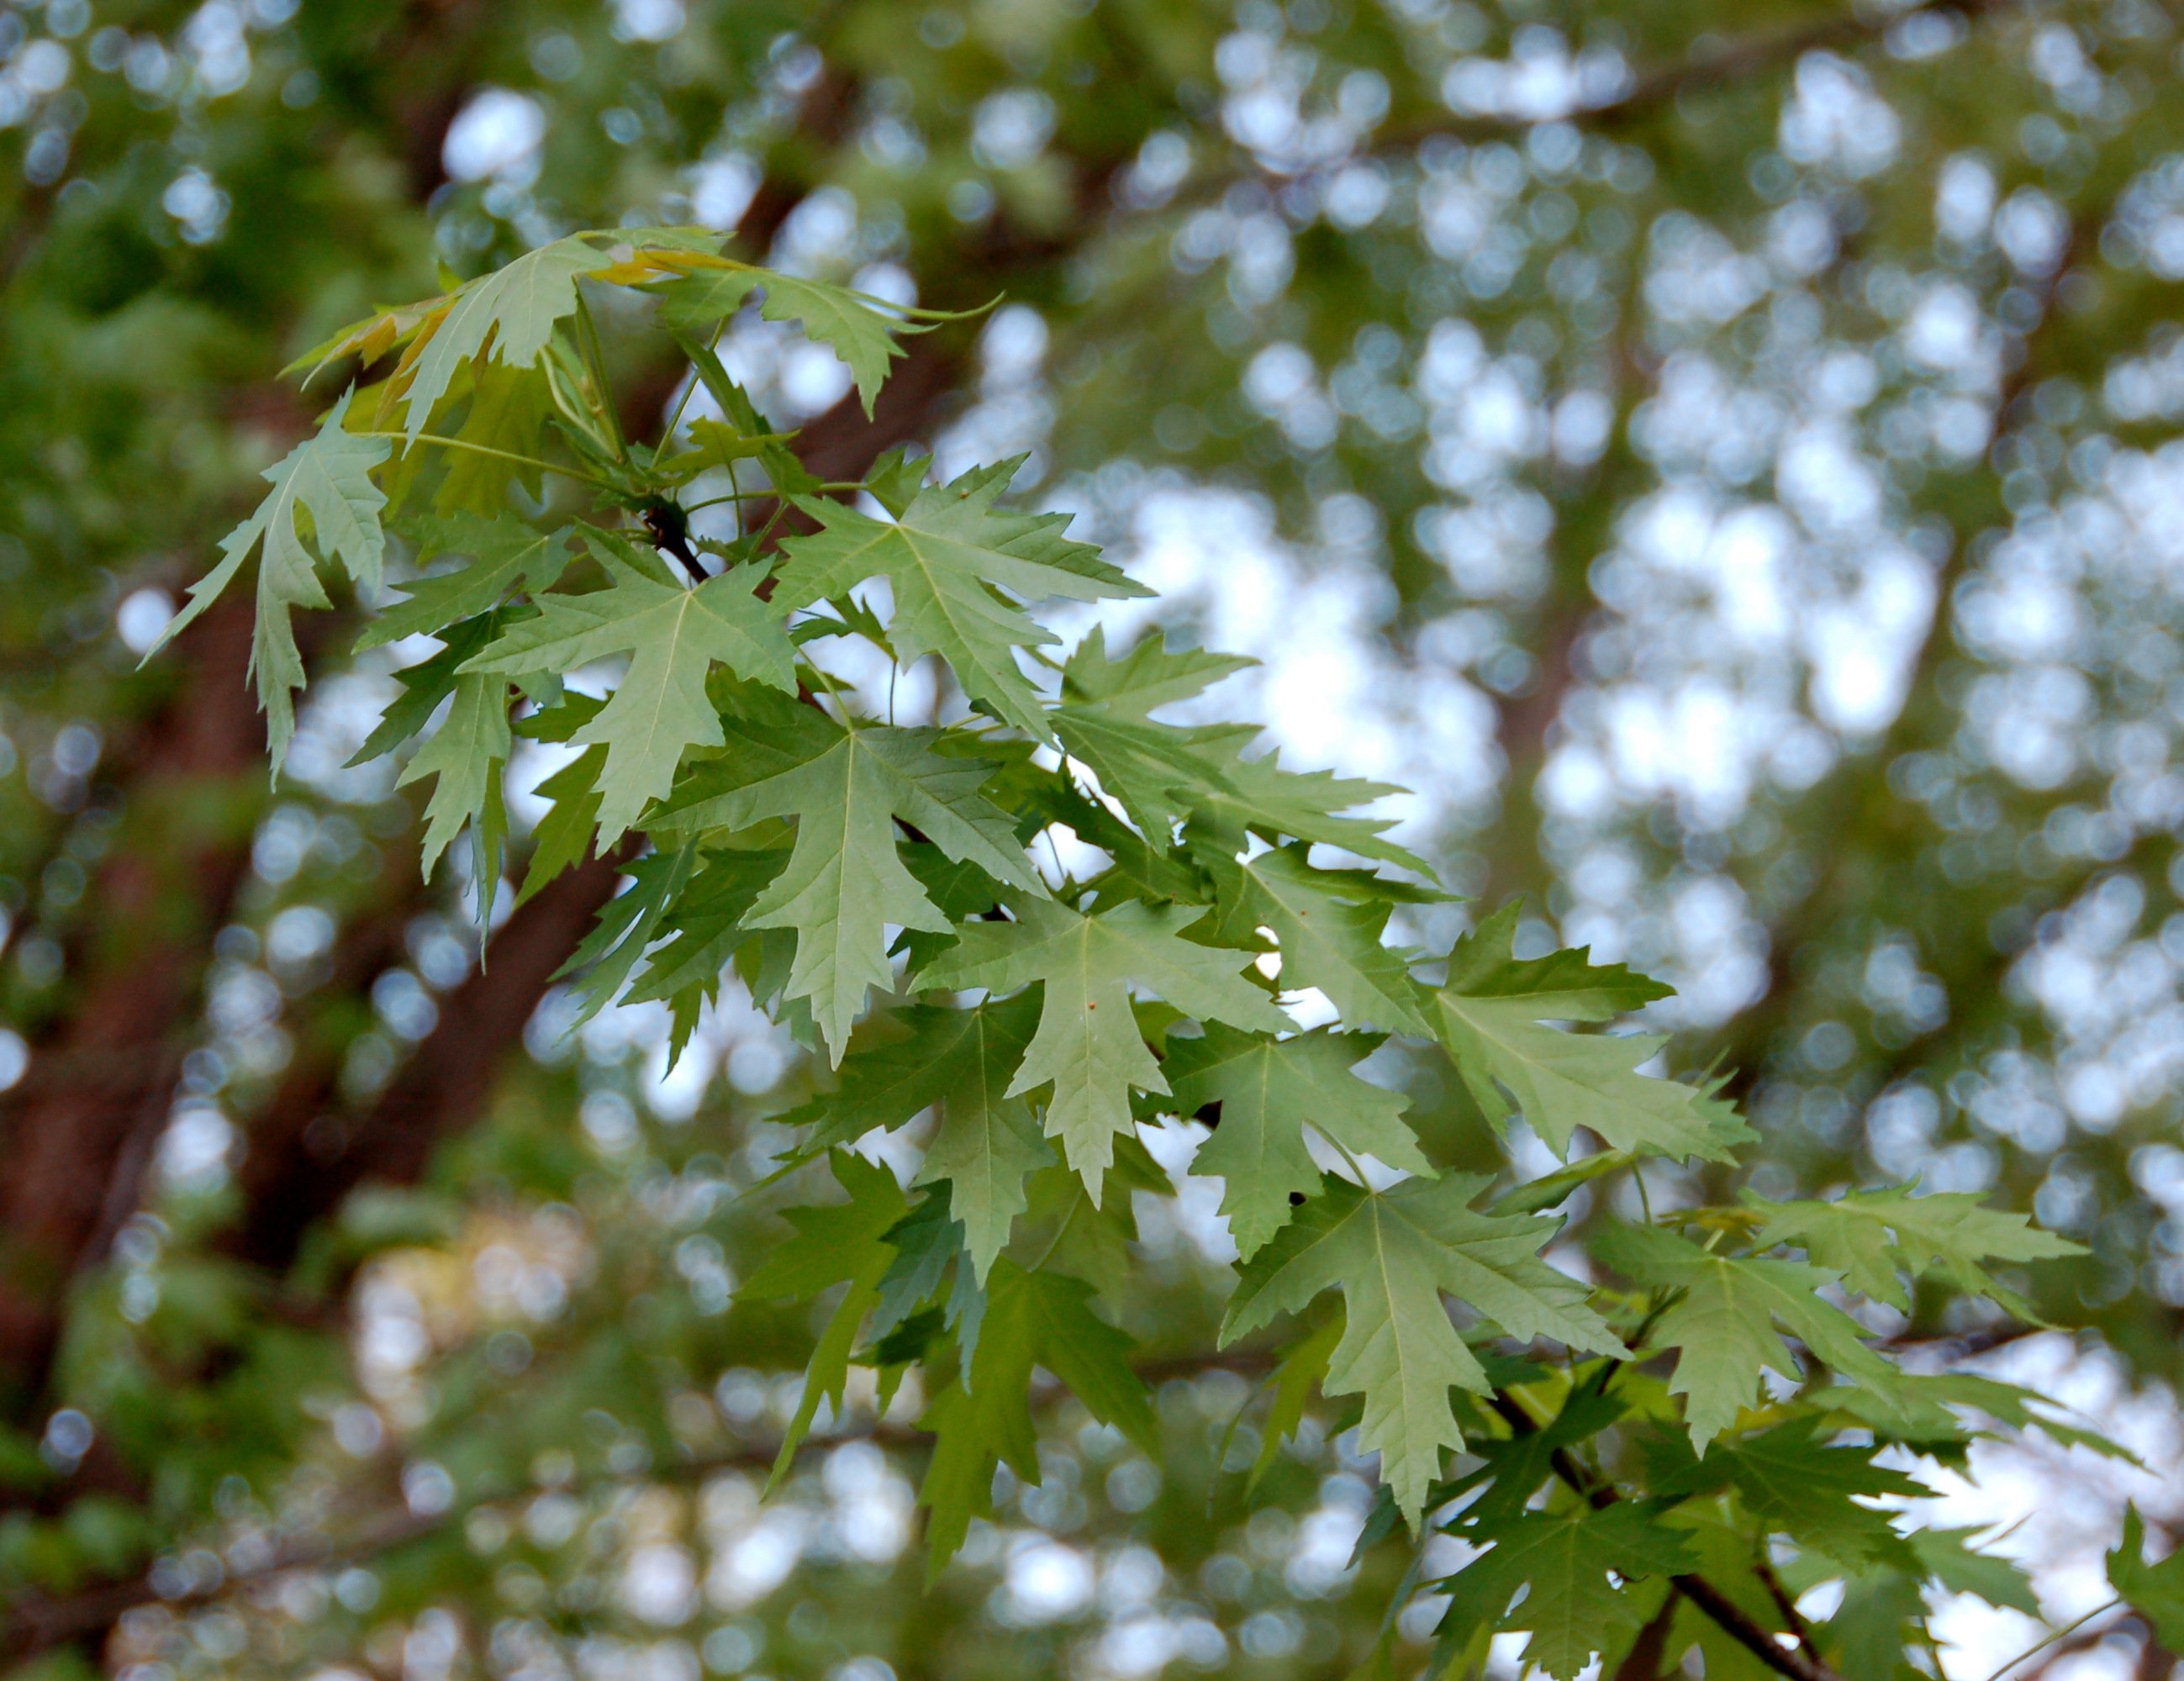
(1393,1254)
(845,882)
(945,560)
(563,838)
(515,309)
(1489,1012)
(1807,1489)
(840,1243)
(847,322)
(1269,1091)
(327,479)
(1329,925)
(1871,1236)
(1088,1042)
(985,1417)
(987,1144)
(1166,774)
(1151,675)
(506,555)
(2154,1591)
(672,636)
(710,923)
(1564,1558)
(1723,1325)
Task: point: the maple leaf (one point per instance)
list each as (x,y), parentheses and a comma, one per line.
(840,1243)
(987,1142)
(847,322)
(845,882)
(1393,1254)
(2155,1591)
(1870,1237)
(1151,675)
(1808,1489)
(983,1417)
(1269,1091)
(327,478)
(506,555)
(515,309)
(1489,1012)
(1088,1042)
(1563,1558)
(672,636)
(1723,1325)
(945,560)
(1329,925)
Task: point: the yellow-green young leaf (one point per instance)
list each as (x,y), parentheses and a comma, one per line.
(837,1244)
(1268,1091)
(1088,1042)
(672,636)
(1393,1254)
(1564,1559)
(845,882)
(505,556)
(850,325)
(1870,1237)
(513,308)
(985,1417)
(1723,1324)
(1488,1015)
(327,478)
(944,559)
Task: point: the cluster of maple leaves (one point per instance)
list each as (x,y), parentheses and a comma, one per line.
(1614,1436)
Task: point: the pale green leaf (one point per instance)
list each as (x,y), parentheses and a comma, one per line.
(513,311)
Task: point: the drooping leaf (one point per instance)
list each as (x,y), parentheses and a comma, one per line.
(1393,1254)
(945,561)
(1723,1322)
(672,636)
(1270,1091)
(326,479)
(983,1417)
(1088,1042)
(837,1242)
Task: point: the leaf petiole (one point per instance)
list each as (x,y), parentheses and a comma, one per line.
(531,461)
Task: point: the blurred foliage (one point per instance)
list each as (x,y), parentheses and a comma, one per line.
(1720,456)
